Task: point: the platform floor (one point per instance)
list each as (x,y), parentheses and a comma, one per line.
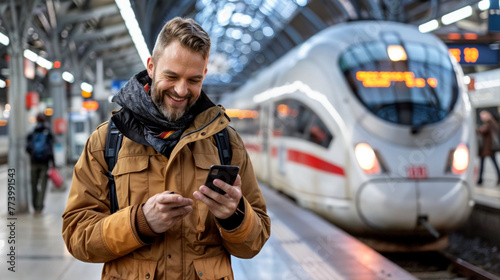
(488,193)
(302,246)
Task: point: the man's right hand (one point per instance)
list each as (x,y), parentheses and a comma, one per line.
(165,209)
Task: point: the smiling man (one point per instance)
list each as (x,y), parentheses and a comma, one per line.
(169,226)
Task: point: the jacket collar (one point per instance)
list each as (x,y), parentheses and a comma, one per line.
(206,124)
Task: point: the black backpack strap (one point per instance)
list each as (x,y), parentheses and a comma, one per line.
(113,144)
(224,147)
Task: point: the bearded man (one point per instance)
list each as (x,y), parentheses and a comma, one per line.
(169,224)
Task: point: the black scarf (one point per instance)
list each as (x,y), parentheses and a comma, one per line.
(134,98)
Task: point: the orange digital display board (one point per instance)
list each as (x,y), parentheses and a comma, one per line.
(474,54)
(470,55)
(385,78)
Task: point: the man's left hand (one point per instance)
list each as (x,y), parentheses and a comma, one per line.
(222,206)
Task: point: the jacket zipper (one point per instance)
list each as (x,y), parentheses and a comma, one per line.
(203,127)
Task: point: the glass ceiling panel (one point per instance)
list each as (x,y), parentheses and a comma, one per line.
(240,29)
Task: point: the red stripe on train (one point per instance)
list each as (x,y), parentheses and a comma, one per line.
(302,158)
(314,162)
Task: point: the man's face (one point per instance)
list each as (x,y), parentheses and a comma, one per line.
(177,77)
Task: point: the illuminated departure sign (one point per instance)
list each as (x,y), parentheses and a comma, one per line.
(473,54)
(384,79)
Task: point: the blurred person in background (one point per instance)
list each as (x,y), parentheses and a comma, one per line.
(489,132)
(39,146)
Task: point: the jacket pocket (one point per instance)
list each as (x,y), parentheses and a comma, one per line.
(218,267)
(126,268)
(204,161)
(203,221)
(131,171)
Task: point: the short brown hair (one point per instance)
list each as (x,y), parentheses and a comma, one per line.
(187,32)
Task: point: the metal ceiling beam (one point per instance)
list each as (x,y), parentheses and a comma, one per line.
(179,10)
(293,34)
(41,33)
(129,64)
(158,17)
(395,10)
(313,18)
(115,43)
(270,55)
(79,16)
(346,7)
(374,9)
(44,22)
(76,30)
(102,32)
(150,8)
(132,51)
(96,47)
(423,7)
(285,42)
(126,72)
(439,9)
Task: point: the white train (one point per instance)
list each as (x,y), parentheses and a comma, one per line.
(369,125)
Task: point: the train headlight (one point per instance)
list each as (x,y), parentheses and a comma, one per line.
(460,159)
(367,159)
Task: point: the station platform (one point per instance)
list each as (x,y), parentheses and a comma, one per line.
(301,246)
(488,194)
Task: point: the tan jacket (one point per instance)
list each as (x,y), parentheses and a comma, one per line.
(195,248)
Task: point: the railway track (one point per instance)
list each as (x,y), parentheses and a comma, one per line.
(439,265)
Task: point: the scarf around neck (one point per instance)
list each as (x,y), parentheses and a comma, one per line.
(159,132)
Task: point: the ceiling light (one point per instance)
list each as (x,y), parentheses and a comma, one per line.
(4,39)
(268,31)
(86,87)
(457,15)
(44,63)
(224,15)
(30,55)
(429,26)
(134,30)
(68,77)
(483,5)
(301,3)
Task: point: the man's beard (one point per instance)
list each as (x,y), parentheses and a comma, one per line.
(158,99)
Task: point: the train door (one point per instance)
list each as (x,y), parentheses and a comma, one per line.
(265,127)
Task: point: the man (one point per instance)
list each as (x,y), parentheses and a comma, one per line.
(169,226)
(39,146)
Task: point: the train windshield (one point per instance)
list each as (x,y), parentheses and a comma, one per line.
(410,84)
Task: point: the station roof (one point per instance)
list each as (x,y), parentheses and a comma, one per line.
(246,35)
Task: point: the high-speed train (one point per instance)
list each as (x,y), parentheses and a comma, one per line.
(369,125)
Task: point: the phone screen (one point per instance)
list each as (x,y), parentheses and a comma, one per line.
(226,173)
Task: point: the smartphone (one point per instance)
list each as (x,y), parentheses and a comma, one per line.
(226,173)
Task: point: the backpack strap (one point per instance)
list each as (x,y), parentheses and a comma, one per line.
(224,147)
(113,144)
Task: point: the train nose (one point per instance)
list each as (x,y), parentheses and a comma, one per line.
(396,206)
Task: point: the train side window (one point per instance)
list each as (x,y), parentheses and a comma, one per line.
(302,121)
(294,119)
(247,121)
(318,133)
(291,118)
(280,119)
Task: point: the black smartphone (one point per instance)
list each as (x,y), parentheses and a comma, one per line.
(226,173)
